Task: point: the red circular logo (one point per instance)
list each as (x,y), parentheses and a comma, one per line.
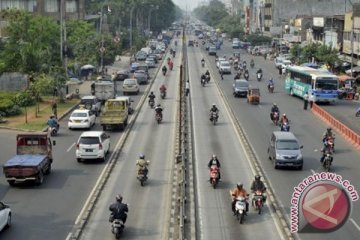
(326,206)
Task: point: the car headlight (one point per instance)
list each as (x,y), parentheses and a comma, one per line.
(299,157)
(86,120)
(278,156)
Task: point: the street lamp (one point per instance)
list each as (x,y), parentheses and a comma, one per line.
(352,37)
(131,16)
(149,16)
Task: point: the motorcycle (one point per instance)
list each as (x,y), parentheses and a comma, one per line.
(246,76)
(240,209)
(259,76)
(151,103)
(285,127)
(117,227)
(252,65)
(236,66)
(203,81)
(171,65)
(203,64)
(163,94)
(175,43)
(327,161)
(275,118)
(357,114)
(142,176)
(271,88)
(257,201)
(214,176)
(164,72)
(173,54)
(213,117)
(158,117)
(54,130)
(207,78)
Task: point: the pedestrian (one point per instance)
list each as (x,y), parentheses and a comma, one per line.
(187,88)
(280,71)
(54,109)
(306,100)
(222,75)
(311,99)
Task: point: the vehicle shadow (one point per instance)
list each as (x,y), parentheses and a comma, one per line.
(131,232)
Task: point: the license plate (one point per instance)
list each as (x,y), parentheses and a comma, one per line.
(88,150)
(289,164)
(78,121)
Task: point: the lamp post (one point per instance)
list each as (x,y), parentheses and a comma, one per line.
(149,16)
(131,16)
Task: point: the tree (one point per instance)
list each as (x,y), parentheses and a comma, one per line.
(212,14)
(32,44)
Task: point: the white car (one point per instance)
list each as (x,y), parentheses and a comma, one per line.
(5,216)
(130,85)
(225,67)
(81,118)
(92,145)
(220,59)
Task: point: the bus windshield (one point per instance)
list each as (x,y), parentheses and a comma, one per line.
(326,84)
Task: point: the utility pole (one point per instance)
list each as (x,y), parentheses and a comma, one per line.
(61,30)
(352,37)
(131,16)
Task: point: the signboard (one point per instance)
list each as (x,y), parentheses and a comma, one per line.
(318,22)
(102,49)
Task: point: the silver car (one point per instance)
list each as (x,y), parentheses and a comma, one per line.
(284,150)
(150,62)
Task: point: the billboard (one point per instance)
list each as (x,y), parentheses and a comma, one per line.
(318,22)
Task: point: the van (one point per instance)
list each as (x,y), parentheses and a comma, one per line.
(240,88)
(278,61)
(285,151)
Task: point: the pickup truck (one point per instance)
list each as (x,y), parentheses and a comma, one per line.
(32,161)
(115,114)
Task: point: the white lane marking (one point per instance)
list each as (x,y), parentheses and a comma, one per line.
(260,106)
(68,236)
(312,171)
(356,225)
(72,145)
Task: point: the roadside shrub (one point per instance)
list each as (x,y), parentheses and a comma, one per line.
(5,104)
(13,111)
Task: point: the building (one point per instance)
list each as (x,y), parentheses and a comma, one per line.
(347,48)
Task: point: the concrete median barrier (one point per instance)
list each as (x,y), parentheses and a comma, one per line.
(349,134)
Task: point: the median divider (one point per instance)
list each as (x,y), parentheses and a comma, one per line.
(349,134)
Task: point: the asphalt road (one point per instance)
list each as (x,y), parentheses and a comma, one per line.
(149,206)
(216,220)
(49,211)
(308,129)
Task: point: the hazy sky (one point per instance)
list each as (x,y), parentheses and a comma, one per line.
(190,4)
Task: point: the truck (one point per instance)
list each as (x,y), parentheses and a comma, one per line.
(104,90)
(32,161)
(115,114)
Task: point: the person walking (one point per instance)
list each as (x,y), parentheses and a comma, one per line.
(187,88)
(311,99)
(306,101)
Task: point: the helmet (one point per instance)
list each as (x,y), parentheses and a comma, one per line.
(329,129)
(239,185)
(119,198)
(214,105)
(142,156)
(274,104)
(284,115)
(257,177)
(213,156)
(52,115)
(151,92)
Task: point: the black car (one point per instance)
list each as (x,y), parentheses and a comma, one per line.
(190,43)
(122,75)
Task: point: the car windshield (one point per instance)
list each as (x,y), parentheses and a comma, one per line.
(145,68)
(129,82)
(89,140)
(225,64)
(241,84)
(326,84)
(287,145)
(79,114)
(86,101)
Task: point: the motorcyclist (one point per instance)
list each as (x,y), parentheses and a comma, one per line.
(203,78)
(52,122)
(118,210)
(215,110)
(244,64)
(142,164)
(252,63)
(164,69)
(151,97)
(257,184)
(328,133)
(207,74)
(239,191)
(215,161)
(273,110)
(171,64)
(162,88)
(284,119)
(270,83)
(246,74)
(159,110)
(202,62)
(174,53)
(326,154)
(237,76)
(259,71)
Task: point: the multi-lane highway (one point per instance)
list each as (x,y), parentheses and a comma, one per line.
(50,210)
(306,126)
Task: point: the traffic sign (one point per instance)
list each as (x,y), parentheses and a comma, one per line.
(102,49)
